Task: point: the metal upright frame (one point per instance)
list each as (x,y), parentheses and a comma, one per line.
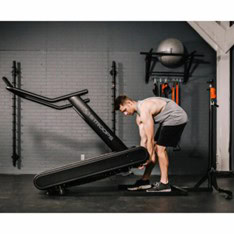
(211,174)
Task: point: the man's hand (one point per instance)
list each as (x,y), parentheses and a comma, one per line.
(144,165)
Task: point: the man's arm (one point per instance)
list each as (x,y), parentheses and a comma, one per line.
(142,133)
(146,129)
(147,125)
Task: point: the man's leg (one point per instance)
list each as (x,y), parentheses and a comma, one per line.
(163,186)
(150,167)
(163,163)
(148,171)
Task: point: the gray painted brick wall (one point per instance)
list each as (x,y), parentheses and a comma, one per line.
(62,57)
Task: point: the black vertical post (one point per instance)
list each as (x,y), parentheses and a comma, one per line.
(113,73)
(210,150)
(212,106)
(95,122)
(19,115)
(14,157)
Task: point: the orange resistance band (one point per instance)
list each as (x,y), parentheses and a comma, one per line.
(212,93)
(177,93)
(173,93)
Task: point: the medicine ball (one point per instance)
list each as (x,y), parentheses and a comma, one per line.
(171,45)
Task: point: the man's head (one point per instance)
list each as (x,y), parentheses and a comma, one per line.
(125,104)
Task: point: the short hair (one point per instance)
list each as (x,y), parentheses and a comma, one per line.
(120,100)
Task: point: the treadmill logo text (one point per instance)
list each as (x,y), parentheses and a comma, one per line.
(98,125)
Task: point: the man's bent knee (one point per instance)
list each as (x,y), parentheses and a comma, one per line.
(160,150)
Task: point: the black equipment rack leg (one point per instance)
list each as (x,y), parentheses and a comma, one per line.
(211,174)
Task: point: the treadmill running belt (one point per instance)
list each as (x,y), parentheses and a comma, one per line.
(92,169)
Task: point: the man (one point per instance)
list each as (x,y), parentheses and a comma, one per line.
(171,119)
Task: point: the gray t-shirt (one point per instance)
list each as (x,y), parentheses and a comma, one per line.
(172,114)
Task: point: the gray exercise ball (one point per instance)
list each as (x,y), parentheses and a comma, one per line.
(171,45)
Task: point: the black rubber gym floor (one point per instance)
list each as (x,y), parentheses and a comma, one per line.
(18,195)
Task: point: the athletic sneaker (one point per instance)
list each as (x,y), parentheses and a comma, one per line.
(160,187)
(140,185)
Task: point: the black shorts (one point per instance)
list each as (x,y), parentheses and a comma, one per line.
(169,135)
